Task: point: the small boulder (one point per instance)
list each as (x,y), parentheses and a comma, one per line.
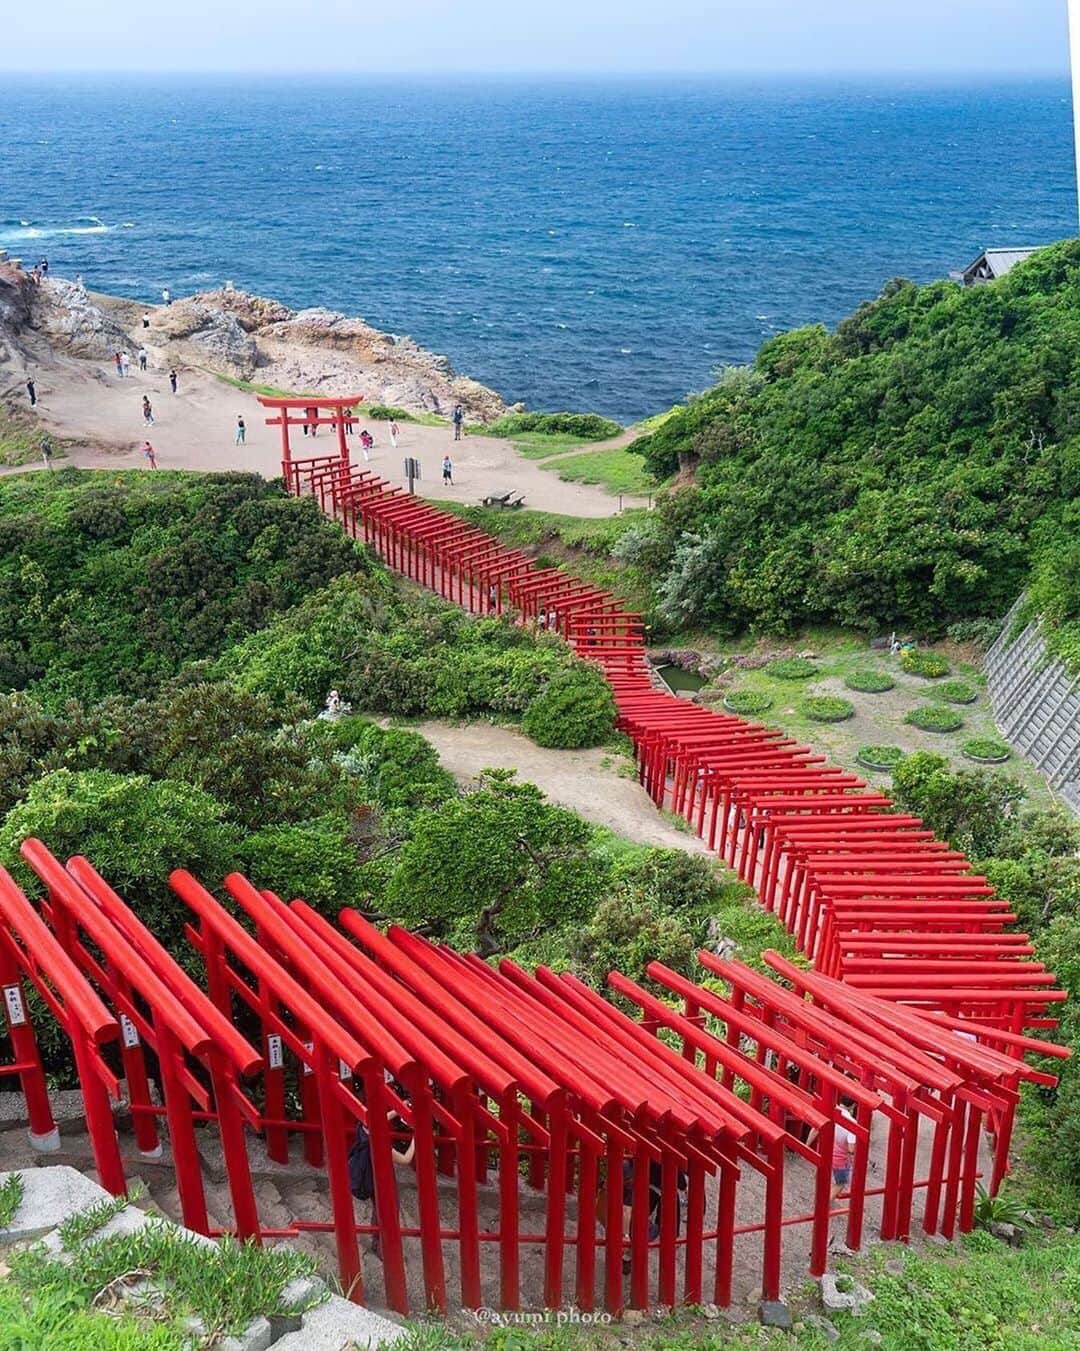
(841,1294)
(774,1313)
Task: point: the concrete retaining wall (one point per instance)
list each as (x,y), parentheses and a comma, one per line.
(1036,705)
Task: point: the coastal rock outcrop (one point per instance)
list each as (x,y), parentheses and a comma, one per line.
(234,334)
(73,321)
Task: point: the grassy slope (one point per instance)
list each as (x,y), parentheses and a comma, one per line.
(879,718)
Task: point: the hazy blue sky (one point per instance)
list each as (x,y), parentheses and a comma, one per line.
(538,35)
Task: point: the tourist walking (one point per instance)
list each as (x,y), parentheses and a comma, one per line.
(119,363)
(458,420)
(147,411)
(150,453)
(172,381)
(366,443)
(46,452)
(146,321)
(44,267)
(165,296)
(312,414)
(143,355)
(125,363)
(493,597)
(393,430)
(241,432)
(31,391)
(448,470)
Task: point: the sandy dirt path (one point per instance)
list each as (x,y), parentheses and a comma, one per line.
(587,781)
(85,402)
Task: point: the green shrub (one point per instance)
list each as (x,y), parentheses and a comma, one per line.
(496,867)
(981,632)
(382,412)
(791,668)
(880,757)
(626,933)
(315,860)
(972,809)
(986,748)
(109,584)
(869,682)
(746,701)
(589,426)
(827,708)
(396,769)
(930,665)
(576,709)
(934,718)
(956,692)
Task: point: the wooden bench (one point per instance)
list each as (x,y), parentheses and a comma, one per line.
(503,499)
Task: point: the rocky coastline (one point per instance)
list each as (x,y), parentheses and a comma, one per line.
(231,334)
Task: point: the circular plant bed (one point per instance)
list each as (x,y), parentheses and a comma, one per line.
(827,708)
(930,665)
(986,750)
(791,668)
(956,692)
(883,758)
(746,701)
(870,682)
(934,718)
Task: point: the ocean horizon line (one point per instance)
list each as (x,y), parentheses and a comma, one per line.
(931,79)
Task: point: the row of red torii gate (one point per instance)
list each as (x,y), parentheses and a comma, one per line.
(675,1146)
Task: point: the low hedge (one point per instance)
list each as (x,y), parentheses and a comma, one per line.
(956,692)
(870,682)
(986,750)
(929,665)
(791,668)
(934,718)
(746,701)
(880,757)
(827,708)
(589,426)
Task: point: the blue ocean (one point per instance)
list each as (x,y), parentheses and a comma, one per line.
(602,245)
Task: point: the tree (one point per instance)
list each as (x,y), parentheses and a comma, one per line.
(496,866)
(135,830)
(971,809)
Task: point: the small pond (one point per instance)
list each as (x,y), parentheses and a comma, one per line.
(679,681)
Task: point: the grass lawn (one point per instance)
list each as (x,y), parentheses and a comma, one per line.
(539,445)
(977,1296)
(20,438)
(879,718)
(616,470)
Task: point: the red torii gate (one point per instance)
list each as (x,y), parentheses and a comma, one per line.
(340,412)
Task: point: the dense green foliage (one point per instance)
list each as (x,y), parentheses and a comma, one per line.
(931,665)
(746,701)
(986,748)
(110,583)
(827,708)
(791,668)
(880,757)
(869,682)
(207,752)
(587,426)
(956,692)
(576,709)
(387,650)
(935,718)
(905,469)
(1031,858)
